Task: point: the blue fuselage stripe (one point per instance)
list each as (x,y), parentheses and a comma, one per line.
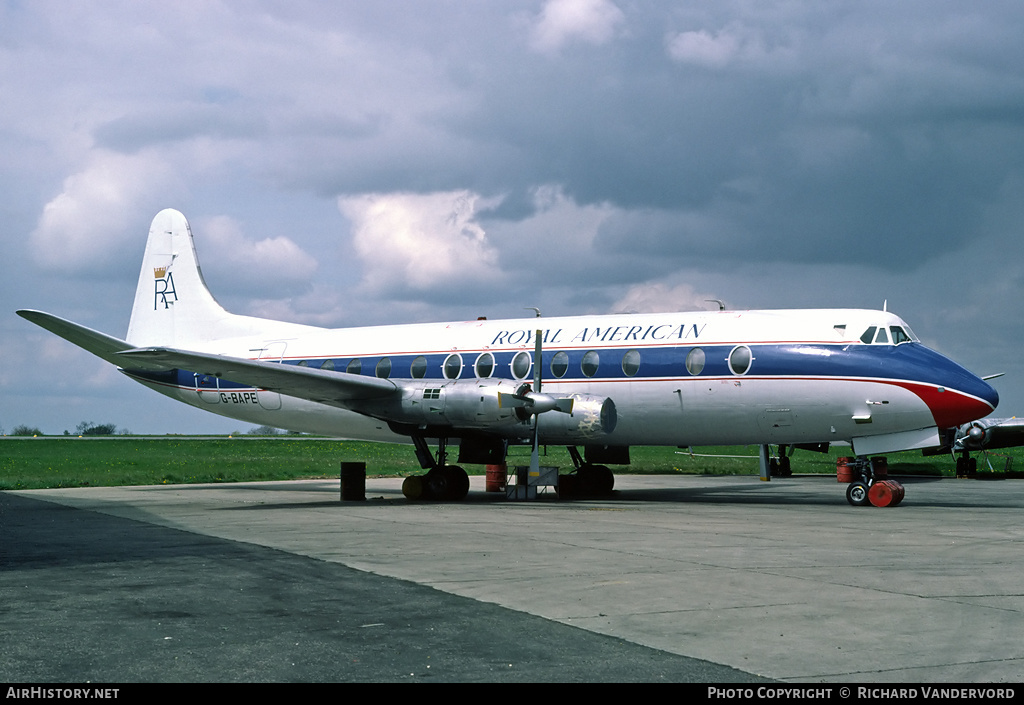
(906,362)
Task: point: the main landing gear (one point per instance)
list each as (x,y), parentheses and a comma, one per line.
(441,482)
(588,480)
(966,466)
(868,482)
(780,466)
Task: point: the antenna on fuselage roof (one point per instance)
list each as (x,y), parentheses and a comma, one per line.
(534,309)
(885,305)
(721,304)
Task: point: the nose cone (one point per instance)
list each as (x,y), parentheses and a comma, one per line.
(989,394)
(961,396)
(973,387)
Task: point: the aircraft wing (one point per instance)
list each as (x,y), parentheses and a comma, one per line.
(324,386)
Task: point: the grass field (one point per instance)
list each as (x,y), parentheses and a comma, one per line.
(45,462)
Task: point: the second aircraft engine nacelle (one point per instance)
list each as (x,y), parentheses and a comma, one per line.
(591,418)
(477,405)
(990,434)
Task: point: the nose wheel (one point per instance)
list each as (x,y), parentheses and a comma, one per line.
(857,494)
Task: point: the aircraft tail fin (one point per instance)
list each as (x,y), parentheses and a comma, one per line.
(173,305)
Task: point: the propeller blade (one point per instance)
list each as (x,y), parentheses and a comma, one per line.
(535,403)
(537,361)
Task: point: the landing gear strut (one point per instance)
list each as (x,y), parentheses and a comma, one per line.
(441,482)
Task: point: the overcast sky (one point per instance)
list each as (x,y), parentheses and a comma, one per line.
(351,163)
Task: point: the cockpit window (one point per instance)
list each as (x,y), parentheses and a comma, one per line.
(880,335)
(899,335)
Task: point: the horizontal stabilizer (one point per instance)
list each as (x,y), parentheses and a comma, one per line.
(102,345)
(324,386)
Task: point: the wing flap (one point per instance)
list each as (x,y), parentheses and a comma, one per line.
(324,386)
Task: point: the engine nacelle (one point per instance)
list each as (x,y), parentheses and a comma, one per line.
(476,405)
(591,418)
(990,434)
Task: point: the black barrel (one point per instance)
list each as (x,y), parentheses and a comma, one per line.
(353,482)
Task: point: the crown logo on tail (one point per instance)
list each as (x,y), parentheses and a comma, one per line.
(163,287)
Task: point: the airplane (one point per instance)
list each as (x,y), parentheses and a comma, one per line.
(789,378)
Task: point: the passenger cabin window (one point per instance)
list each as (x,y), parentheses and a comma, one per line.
(354,367)
(560,364)
(418,368)
(384,368)
(521,365)
(453,366)
(484,366)
(328,365)
(590,363)
(631,363)
(740,359)
(695,361)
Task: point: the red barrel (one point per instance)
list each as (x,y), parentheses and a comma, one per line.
(885,493)
(845,471)
(496,477)
(900,492)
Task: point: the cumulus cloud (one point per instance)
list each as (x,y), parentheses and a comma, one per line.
(765,47)
(558,226)
(252,266)
(417,244)
(702,47)
(88,223)
(561,21)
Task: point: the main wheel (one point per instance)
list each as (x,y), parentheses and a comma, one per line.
(449,483)
(857,494)
(595,480)
(457,481)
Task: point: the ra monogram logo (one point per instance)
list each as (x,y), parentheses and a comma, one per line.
(163,288)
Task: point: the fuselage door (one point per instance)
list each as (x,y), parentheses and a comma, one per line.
(208,388)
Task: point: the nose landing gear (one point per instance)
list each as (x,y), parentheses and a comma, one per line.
(868,482)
